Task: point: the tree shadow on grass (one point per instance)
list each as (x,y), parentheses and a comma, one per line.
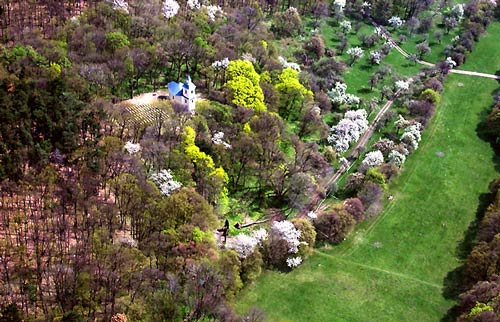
(453,284)
(364,90)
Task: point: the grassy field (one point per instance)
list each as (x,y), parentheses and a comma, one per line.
(393,268)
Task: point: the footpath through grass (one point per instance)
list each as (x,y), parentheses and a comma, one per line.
(393,268)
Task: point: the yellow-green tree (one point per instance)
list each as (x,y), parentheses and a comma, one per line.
(293,95)
(211,181)
(243,83)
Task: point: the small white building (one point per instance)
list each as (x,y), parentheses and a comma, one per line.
(183,93)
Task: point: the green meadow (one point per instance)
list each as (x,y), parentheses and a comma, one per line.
(394,267)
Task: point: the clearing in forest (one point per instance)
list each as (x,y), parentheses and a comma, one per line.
(394,267)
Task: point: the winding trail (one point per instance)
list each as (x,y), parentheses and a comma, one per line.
(369,132)
(317,203)
(387,35)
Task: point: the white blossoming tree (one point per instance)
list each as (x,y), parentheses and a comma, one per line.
(451,63)
(286,230)
(375,57)
(395,22)
(401,123)
(345,26)
(242,244)
(412,136)
(355,53)
(286,64)
(339,96)
(458,11)
(213,11)
(221,64)
(372,159)
(193,4)
(120,4)
(402,85)
(165,182)
(132,148)
(218,139)
(396,158)
(245,244)
(293,262)
(170,8)
(339,5)
(348,130)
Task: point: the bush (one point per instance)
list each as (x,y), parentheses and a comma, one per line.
(422,110)
(355,207)
(374,175)
(287,23)
(389,170)
(370,193)
(333,226)
(434,84)
(276,252)
(251,267)
(431,96)
(307,236)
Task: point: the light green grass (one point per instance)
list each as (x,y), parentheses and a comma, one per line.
(435,199)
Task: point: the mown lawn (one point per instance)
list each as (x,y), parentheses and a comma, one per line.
(393,268)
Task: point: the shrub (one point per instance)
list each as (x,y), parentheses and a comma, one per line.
(355,207)
(374,175)
(422,110)
(370,193)
(307,236)
(431,96)
(334,225)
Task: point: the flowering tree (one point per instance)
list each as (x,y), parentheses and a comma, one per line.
(244,244)
(355,53)
(218,139)
(220,64)
(213,11)
(339,96)
(120,4)
(372,159)
(344,162)
(401,122)
(456,12)
(345,26)
(396,158)
(395,22)
(402,85)
(132,148)
(451,63)
(193,4)
(375,57)
(286,230)
(293,262)
(170,8)
(312,215)
(348,130)
(411,135)
(380,31)
(165,181)
(286,64)
(339,5)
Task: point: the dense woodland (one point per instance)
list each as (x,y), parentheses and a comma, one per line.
(109,212)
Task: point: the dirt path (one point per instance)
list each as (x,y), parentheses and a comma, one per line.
(369,132)
(387,35)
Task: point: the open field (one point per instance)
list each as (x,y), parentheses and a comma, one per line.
(393,268)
